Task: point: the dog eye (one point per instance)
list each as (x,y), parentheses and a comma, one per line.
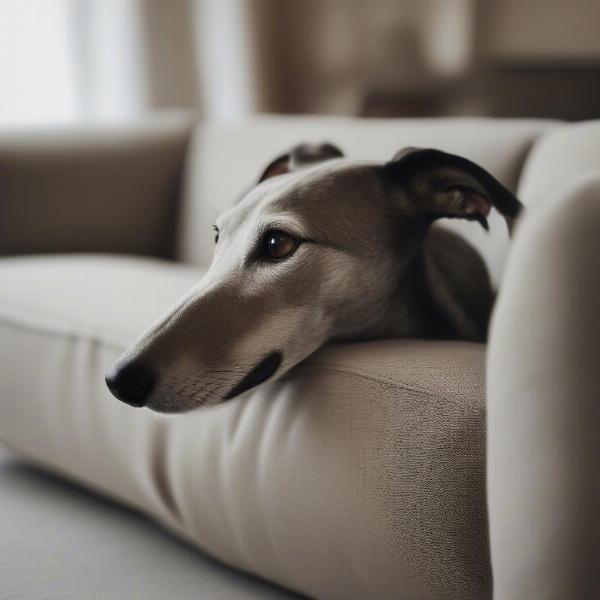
(216,233)
(278,244)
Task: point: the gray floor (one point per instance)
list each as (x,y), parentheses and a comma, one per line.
(59,542)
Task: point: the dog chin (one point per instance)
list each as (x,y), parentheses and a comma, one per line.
(174,406)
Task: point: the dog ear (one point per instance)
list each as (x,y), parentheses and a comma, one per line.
(299,156)
(447,185)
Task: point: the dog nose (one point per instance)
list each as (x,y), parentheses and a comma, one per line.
(130,382)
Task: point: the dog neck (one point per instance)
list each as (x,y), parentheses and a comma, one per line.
(442,293)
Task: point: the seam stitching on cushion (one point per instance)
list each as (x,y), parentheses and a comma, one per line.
(350,371)
(328,367)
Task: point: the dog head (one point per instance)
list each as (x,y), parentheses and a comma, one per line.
(313,252)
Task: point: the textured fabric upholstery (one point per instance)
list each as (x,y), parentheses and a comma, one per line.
(543,405)
(358,475)
(102,189)
(225,159)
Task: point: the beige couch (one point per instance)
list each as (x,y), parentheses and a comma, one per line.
(362,474)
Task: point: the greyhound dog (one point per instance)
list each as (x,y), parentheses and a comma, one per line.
(321,249)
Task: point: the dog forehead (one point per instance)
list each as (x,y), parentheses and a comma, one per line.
(329,181)
(319,185)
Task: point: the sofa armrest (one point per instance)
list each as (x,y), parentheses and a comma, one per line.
(105,188)
(543,405)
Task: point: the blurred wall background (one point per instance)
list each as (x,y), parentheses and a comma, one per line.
(79,60)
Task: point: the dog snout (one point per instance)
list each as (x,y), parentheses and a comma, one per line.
(131,382)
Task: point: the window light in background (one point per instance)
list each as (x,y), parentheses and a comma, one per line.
(37,71)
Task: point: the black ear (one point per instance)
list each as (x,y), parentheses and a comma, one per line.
(299,156)
(439,184)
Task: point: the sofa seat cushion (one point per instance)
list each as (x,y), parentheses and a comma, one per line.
(360,474)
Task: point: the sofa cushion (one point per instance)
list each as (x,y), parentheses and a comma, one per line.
(360,474)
